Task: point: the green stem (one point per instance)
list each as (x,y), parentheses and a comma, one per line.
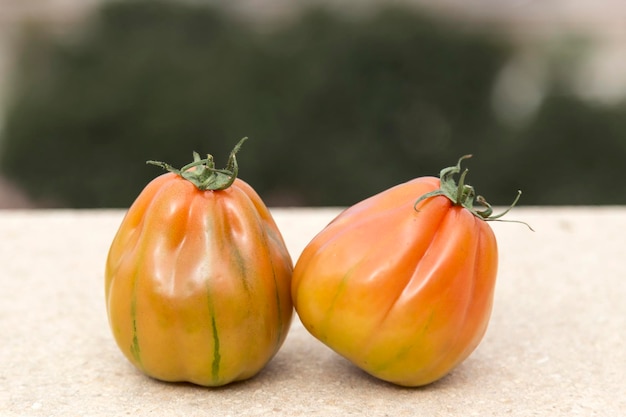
(462,194)
(204,175)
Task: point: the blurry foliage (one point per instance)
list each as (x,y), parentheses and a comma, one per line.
(336,109)
(573,153)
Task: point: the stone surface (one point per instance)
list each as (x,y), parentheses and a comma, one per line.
(556,344)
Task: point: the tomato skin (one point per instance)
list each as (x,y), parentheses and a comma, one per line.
(197,283)
(403,292)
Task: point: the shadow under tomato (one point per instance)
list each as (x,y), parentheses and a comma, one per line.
(355,376)
(274,372)
(189,386)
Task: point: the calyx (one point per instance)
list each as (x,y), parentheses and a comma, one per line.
(202,172)
(462,194)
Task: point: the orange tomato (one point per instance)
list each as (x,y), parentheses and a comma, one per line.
(402,286)
(197,279)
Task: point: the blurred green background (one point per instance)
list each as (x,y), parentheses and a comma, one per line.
(338,106)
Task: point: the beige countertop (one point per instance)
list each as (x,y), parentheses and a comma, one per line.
(556,344)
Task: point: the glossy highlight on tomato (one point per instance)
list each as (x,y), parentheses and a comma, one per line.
(197,279)
(402,283)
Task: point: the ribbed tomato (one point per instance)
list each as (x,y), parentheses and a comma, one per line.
(197,279)
(402,286)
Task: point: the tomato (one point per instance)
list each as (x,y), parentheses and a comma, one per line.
(197,280)
(402,286)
